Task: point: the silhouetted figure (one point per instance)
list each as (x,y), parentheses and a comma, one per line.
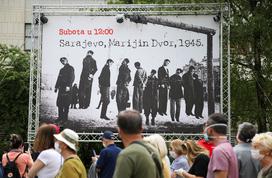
(188,85)
(64,83)
(198,96)
(86,80)
(163,76)
(74,96)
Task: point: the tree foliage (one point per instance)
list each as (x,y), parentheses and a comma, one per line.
(14,87)
(251,44)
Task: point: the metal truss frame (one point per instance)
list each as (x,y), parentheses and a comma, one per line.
(111,10)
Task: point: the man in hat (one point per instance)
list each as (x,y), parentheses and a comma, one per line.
(122,95)
(163,76)
(63,85)
(138,159)
(104,85)
(86,80)
(105,164)
(67,144)
(139,82)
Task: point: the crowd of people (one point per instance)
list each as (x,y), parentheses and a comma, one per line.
(150,92)
(55,153)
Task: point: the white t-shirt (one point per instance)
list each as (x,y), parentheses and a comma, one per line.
(52,160)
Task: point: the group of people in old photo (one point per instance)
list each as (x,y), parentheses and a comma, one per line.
(151,90)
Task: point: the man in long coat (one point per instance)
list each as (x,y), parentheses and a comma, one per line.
(86,80)
(122,95)
(104,84)
(198,96)
(175,95)
(150,98)
(188,85)
(163,76)
(139,82)
(63,85)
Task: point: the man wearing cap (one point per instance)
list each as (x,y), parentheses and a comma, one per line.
(67,144)
(139,159)
(122,95)
(140,79)
(223,162)
(163,76)
(63,85)
(104,85)
(106,162)
(86,80)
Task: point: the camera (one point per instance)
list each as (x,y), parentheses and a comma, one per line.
(120,18)
(26,146)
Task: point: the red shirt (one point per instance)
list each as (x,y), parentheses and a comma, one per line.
(207,145)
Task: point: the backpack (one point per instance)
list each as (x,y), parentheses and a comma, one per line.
(11,170)
(155,158)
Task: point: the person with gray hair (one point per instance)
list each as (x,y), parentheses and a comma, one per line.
(262,151)
(248,167)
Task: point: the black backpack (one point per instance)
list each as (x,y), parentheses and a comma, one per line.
(11,170)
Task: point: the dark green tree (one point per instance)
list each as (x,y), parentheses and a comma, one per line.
(14,84)
(251,44)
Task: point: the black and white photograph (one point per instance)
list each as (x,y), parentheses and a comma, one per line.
(94,67)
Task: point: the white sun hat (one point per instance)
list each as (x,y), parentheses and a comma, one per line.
(69,137)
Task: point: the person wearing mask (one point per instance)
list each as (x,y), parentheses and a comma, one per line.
(23,160)
(135,161)
(262,151)
(198,160)
(106,161)
(159,143)
(49,160)
(67,145)
(178,151)
(89,68)
(248,167)
(223,162)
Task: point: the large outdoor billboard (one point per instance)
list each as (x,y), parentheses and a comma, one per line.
(87,42)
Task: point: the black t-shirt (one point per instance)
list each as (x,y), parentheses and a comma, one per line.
(200,166)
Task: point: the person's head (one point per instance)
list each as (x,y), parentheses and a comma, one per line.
(64,60)
(262,148)
(137,65)
(246,131)
(194,150)
(178,148)
(216,126)
(109,62)
(153,72)
(90,53)
(129,122)
(67,141)
(44,138)
(158,142)
(179,71)
(195,76)
(166,62)
(191,69)
(16,141)
(125,61)
(107,138)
